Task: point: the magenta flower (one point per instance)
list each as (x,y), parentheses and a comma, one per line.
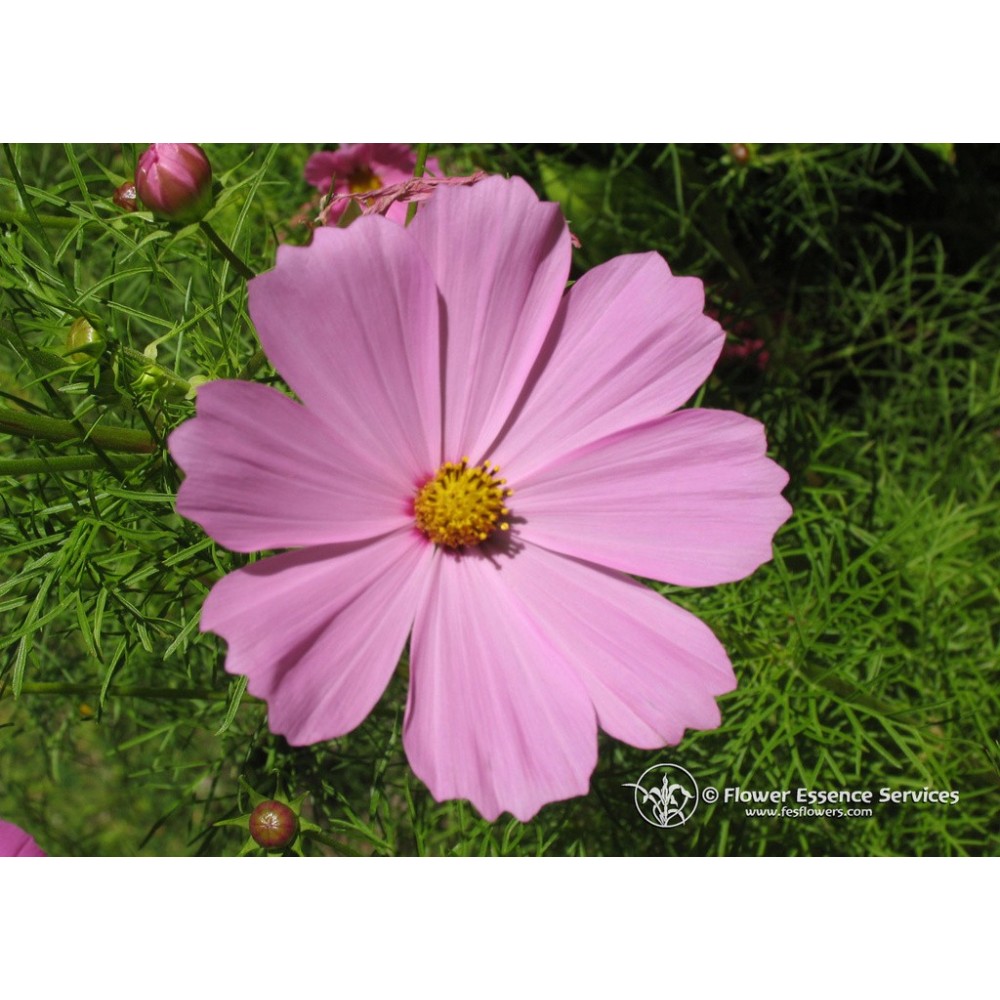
(15,843)
(360,167)
(174,181)
(425,357)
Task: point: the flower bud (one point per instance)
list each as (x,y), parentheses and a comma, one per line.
(125,197)
(146,377)
(83,342)
(740,152)
(174,181)
(273,825)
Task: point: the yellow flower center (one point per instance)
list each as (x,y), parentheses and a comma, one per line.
(462,505)
(363,180)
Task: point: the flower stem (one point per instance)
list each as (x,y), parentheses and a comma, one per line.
(60,463)
(226,250)
(123,691)
(418,171)
(45,221)
(51,429)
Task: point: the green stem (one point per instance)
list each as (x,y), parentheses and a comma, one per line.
(226,250)
(123,691)
(52,429)
(418,171)
(45,221)
(60,463)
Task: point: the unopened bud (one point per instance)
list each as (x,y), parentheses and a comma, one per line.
(150,378)
(83,342)
(740,152)
(125,197)
(273,825)
(174,181)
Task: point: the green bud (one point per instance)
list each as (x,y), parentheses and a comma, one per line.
(83,342)
(142,376)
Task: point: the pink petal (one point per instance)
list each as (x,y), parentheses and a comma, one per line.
(319,632)
(389,161)
(501,258)
(391,155)
(338,164)
(351,322)
(397,213)
(651,668)
(321,167)
(690,499)
(496,714)
(393,168)
(629,344)
(263,472)
(15,843)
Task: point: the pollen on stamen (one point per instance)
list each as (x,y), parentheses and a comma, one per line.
(462,504)
(363,180)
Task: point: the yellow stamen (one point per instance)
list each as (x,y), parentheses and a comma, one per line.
(363,180)
(462,504)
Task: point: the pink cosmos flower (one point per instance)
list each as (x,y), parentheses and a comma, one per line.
(359,167)
(425,357)
(15,843)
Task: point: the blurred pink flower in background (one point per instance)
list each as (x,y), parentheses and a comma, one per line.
(425,358)
(745,349)
(750,350)
(361,167)
(15,843)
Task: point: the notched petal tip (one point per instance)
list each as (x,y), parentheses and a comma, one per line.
(263,472)
(483,721)
(318,632)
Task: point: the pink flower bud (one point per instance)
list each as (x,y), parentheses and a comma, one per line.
(273,825)
(125,196)
(174,181)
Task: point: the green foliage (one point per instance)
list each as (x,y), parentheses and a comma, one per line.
(867,651)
